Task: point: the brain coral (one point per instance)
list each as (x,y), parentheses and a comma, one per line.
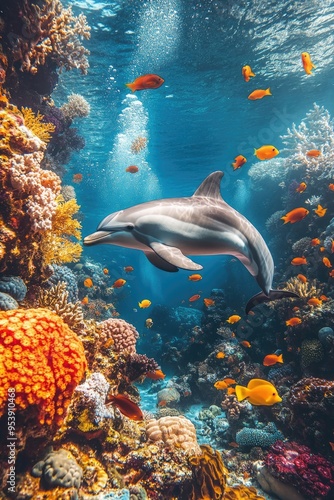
(174,432)
(42,358)
(59,468)
(123,334)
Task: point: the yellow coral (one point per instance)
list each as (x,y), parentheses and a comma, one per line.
(57,246)
(36,125)
(210,475)
(242,493)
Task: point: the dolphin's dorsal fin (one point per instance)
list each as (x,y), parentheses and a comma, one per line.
(210,187)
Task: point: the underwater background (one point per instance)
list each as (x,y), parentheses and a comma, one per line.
(120,380)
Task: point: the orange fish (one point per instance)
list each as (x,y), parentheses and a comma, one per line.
(239,161)
(259,93)
(126,406)
(224,384)
(144,82)
(307,63)
(326,262)
(233,444)
(162,403)
(323,298)
(155,375)
(331,187)
(301,188)
(194,297)
(233,319)
(119,283)
(293,322)
(266,152)
(295,215)
(314,302)
(296,308)
(331,445)
(302,278)
(85,300)
(195,277)
(245,343)
(320,211)
(247,72)
(88,283)
(313,153)
(132,169)
(299,261)
(128,269)
(230,390)
(315,242)
(272,359)
(220,355)
(332,246)
(331,274)
(209,302)
(77,178)
(105,270)
(322,249)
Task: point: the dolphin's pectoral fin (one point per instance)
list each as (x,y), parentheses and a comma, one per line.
(161,263)
(260,298)
(174,256)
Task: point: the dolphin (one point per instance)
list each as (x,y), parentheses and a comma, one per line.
(167,230)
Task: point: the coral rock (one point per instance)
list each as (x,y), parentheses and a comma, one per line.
(59,468)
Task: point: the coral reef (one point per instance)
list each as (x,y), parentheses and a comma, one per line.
(65,274)
(7,302)
(311,352)
(295,464)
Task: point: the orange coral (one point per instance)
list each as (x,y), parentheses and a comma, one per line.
(36,125)
(42,359)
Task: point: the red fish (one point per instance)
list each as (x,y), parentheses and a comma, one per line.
(299,261)
(77,178)
(128,269)
(132,169)
(149,81)
(119,283)
(126,406)
(194,297)
(301,188)
(272,359)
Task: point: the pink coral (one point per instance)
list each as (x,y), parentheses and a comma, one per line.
(123,334)
(295,464)
(39,186)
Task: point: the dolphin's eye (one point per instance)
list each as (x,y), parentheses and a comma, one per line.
(130,227)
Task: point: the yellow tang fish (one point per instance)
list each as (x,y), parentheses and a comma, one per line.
(259,392)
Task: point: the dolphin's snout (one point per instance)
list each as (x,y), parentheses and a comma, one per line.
(95,238)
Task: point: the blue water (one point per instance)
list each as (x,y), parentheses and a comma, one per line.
(197,122)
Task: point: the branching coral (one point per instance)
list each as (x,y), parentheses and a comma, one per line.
(304,290)
(50,31)
(42,359)
(36,125)
(57,246)
(76,107)
(56,299)
(316,131)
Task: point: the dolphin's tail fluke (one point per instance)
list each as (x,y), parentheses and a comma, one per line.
(261,297)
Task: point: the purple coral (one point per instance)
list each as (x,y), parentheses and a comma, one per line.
(295,464)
